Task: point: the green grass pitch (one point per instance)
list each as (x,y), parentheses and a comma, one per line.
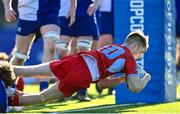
(100,104)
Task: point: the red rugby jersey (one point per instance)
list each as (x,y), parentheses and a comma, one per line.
(113,59)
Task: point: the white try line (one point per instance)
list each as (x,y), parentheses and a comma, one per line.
(96,108)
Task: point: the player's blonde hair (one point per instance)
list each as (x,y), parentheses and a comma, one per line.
(138,37)
(7,73)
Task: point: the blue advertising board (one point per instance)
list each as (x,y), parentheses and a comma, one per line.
(156,18)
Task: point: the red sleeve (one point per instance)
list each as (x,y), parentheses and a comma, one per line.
(130,66)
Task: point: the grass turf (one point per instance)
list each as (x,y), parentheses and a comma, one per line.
(100,104)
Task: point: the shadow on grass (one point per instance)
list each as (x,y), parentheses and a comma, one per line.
(74,97)
(109,108)
(51,105)
(98,96)
(178,99)
(113,108)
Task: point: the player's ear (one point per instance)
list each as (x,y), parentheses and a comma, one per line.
(134,47)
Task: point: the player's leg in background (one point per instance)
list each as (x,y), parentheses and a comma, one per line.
(106,28)
(25,36)
(62,46)
(84,43)
(87,31)
(22,49)
(50,34)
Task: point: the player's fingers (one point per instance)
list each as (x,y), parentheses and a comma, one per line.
(72,20)
(91,11)
(88,10)
(8,18)
(70,24)
(14,13)
(13,17)
(68,15)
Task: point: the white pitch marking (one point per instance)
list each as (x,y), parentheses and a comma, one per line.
(103,107)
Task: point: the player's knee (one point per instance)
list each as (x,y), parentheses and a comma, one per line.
(84,45)
(51,35)
(62,45)
(49,40)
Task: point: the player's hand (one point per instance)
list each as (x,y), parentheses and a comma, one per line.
(10,15)
(92,9)
(71,15)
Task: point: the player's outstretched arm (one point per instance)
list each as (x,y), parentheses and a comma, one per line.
(110,82)
(41,69)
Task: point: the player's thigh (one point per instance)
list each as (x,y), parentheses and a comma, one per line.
(24,43)
(52,93)
(50,34)
(49,28)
